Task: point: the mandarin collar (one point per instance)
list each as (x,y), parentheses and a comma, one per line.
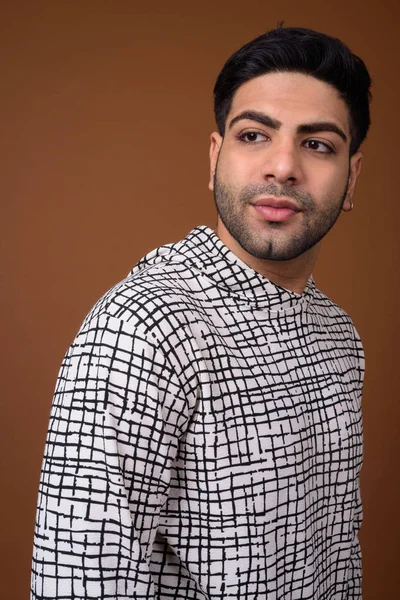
(204,250)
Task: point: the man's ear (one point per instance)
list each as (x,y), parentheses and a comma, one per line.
(355,168)
(215,146)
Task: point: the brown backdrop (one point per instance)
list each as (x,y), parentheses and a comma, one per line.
(106,109)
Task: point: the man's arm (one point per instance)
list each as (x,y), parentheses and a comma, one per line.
(117,416)
(355,569)
(355,566)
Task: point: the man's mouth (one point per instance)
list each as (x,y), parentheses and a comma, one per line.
(275,209)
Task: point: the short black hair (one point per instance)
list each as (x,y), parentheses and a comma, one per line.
(293,49)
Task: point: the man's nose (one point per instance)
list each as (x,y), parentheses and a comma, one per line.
(283,163)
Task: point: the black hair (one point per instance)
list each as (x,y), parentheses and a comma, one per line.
(293,49)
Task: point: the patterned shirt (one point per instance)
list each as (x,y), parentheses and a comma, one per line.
(205,440)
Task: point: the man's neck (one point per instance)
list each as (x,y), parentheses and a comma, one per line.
(290,274)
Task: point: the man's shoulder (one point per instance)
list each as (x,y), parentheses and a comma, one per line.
(160,295)
(329,309)
(336,320)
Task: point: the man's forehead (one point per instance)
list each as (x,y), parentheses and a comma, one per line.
(291,97)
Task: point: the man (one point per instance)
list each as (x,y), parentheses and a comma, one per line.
(205,439)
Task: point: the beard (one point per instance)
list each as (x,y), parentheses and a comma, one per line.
(269,239)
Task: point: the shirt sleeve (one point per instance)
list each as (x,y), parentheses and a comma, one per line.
(117,416)
(355,567)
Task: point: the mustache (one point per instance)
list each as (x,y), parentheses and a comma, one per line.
(303,199)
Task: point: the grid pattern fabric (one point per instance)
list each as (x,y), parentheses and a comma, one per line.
(205,440)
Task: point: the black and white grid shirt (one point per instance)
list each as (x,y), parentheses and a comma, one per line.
(205,440)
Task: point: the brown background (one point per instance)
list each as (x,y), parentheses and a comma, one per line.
(106,109)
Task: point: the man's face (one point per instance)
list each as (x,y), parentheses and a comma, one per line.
(282,173)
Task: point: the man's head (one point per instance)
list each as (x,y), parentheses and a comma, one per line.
(296,50)
(292,108)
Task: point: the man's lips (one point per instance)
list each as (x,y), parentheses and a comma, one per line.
(275,209)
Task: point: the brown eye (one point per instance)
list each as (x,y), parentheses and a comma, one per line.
(252,137)
(318,146)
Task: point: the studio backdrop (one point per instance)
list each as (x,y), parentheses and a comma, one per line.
(106,111)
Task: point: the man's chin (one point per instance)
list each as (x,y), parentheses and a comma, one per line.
(271,250)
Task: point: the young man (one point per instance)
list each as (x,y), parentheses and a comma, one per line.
(205,440)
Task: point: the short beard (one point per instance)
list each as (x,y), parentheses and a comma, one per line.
(231,207)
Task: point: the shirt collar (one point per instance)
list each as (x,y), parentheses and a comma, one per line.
(203,248)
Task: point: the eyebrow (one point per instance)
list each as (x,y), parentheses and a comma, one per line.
(259,117)
(322,126)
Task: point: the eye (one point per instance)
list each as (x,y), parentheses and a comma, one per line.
(319,147)
(252,137)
